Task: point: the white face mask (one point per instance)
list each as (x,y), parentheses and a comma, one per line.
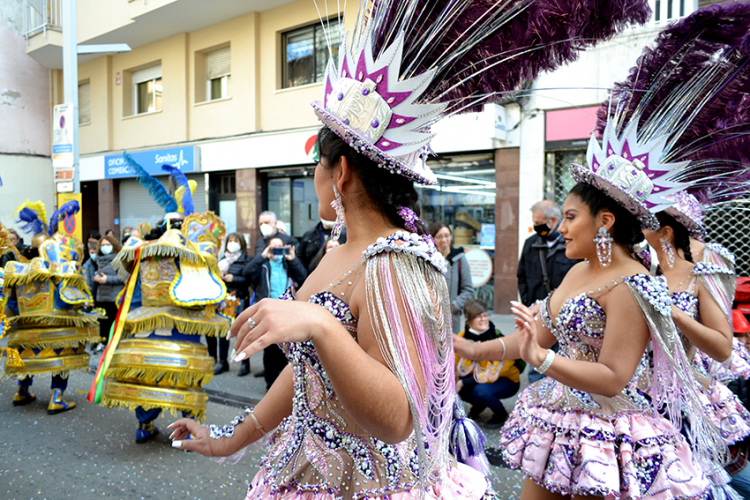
(233,247)
(266,230)
(327,224)
(106,249)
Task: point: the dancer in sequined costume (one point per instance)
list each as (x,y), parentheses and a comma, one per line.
(365,407)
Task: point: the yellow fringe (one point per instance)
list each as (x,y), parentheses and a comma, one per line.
(22,279)
(185,327)
(62,373)
(13,358)
(61,344)
(200,415)
(164,378)
(45,319)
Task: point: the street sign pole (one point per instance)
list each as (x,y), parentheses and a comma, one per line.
(70,78)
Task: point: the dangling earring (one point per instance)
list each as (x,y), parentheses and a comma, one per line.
(668,250)
(603,247)
(339,208)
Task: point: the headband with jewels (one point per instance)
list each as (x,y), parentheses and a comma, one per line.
(680,122)
(412,64)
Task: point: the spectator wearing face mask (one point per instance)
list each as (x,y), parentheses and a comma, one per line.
(90,267)
(231,266)
(267,225)
(108,284)
(312,241)
(543,263)
(270,273)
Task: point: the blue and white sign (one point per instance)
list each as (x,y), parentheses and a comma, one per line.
(184,158)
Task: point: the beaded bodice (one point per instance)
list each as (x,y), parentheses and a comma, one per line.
(319,447)
(579,328)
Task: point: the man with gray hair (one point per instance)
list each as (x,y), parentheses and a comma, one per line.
(267,226)
(543,263)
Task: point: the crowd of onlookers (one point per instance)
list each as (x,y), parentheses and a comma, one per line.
(279,260)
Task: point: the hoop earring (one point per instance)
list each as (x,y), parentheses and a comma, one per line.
(603,247)
(668,250)
(339,208)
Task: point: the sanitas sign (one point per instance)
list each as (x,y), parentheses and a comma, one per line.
(183,158)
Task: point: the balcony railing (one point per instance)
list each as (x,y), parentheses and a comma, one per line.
(40,16)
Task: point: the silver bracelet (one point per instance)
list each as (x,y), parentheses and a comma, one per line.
(547,362)
(504,350)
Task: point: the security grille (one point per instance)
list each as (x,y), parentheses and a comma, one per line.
(558,180)
(727,225)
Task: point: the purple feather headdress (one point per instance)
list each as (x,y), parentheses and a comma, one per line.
(684,113)
(411,63)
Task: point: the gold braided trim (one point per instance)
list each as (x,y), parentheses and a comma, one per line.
(170,363)
(53,338)
(54,365)
(185,323)
(132,396)
(57,318)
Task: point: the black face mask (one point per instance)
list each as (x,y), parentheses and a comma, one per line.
(542,229)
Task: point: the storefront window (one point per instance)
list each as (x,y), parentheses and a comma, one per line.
(290,194)
(464,199)
(558,181)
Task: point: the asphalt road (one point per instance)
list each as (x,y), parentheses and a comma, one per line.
(90,452)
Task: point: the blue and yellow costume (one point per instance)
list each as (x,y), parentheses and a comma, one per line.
(45,295)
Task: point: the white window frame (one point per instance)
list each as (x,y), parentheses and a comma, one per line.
(224,77)
(664,18)
(141,76)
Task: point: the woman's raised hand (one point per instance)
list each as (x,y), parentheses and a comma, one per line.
(200,441)
(274,321)
(531,351)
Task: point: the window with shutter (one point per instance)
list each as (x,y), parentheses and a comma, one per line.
(218,73)
(84,104)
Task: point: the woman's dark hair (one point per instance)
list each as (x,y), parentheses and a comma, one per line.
(386,191)
(627,228)
(318,256)
(681,234)
(242,242)
(473,308)
(435,227)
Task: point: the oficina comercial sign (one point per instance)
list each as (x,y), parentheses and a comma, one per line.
(184,158)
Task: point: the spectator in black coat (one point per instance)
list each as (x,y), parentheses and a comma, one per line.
(17,242)
(270,273)
(108,284)
(312,241)
(547,246)
(231,266)
(267,227)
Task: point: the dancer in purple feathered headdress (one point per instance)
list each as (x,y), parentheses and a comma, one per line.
(366,409)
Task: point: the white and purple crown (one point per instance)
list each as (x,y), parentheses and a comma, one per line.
(686,209)
(631,173)
(366,104)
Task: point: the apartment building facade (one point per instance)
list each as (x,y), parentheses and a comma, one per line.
(222,90)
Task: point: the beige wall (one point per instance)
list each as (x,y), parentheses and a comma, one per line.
(255,102)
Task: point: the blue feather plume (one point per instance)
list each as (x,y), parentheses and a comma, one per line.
(30,222)
(70,208)
(182,182)
(156,189)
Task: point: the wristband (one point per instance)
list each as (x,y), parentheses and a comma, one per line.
(504,350)
(547,362)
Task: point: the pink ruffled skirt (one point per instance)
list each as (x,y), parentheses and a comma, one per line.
(461,483)
(629,455)
(726,412)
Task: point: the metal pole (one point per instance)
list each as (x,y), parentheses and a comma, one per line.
(70,77)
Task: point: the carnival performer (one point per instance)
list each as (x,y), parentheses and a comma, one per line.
(364,408)
(712,253)
(44,294)
(154,360)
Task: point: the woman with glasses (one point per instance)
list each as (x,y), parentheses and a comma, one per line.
(458,274)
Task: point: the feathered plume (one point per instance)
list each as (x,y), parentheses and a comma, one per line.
(692,86)
(184,191)
(479,48)
(156,189)
(70,208)
(32,217)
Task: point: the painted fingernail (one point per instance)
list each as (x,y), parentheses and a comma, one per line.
(172,435)
(515,303)
(232,354)
(240,357)
(171,426)
(176,444)
(527,324)
(514,309)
